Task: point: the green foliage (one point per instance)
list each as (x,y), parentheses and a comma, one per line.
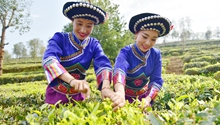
(7,57)
(183,100)
(198,87)
(209,59)
(172,52)
(36,47)
(15,14)
(18,99)
(19,50)
(188,58)
(192,71)
(22,78)
(217,75)
(207,70)
(23,69)
(195,65)
(88,112)
(23,61)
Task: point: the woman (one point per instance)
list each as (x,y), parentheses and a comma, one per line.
(69,55)
(137,70)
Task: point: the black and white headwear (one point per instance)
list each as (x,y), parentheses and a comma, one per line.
(84,10)
(150,21)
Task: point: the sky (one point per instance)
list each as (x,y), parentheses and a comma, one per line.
(47,17)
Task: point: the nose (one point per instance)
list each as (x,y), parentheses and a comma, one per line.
(147,42)
(83,30)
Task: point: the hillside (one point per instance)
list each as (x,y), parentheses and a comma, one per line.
(190,94)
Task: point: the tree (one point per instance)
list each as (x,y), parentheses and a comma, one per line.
(185,29)
(42,50)
(208,33)
(112,34)
(35,47)
(14,14)
(7,56)
(19,50)
(175,34)
(217,32)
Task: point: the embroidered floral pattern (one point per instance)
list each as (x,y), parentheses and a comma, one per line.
(138,82)
(139,85)
(76,76)
(135,92)
(65,88)
(129,92)
(62,88)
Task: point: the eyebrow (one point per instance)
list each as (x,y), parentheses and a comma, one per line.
(148,35)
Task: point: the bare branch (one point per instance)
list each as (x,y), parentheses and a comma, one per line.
(12,15)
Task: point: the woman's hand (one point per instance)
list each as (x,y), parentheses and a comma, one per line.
(106,92)
(118,99)
(146,102)
(81,86)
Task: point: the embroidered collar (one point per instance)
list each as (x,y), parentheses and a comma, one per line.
(83,43)
(141,54)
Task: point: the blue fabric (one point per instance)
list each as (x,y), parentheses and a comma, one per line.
(140,66)
(68,54)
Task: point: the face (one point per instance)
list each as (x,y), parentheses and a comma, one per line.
(145,39)
(82,28)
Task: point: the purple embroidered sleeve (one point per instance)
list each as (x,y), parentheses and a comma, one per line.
(103,74)
(119,76)
(121,66)
(53,69)
(153,92)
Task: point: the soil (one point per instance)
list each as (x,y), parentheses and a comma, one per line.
(175,66)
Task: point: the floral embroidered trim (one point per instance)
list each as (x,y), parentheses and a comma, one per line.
(141,76)
(135,69)
(153,92)
(104,74)
(143,59)
(53,69)
(135,92)
(64,88)
(119,76)
(48,59)
(77,66)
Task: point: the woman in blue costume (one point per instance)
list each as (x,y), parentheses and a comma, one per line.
(137,70)
(69,55)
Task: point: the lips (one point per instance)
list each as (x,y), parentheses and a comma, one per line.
(145,47)
(82,35)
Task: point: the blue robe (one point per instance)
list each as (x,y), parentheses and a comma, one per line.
(66,53)
(139,72)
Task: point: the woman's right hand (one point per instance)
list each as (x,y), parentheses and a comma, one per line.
(81,86)
(118,99)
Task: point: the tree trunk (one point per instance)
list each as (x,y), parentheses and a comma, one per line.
(2,44)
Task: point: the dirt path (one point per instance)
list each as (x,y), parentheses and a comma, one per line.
(175,66)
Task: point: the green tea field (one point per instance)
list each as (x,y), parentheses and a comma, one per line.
(190,94)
